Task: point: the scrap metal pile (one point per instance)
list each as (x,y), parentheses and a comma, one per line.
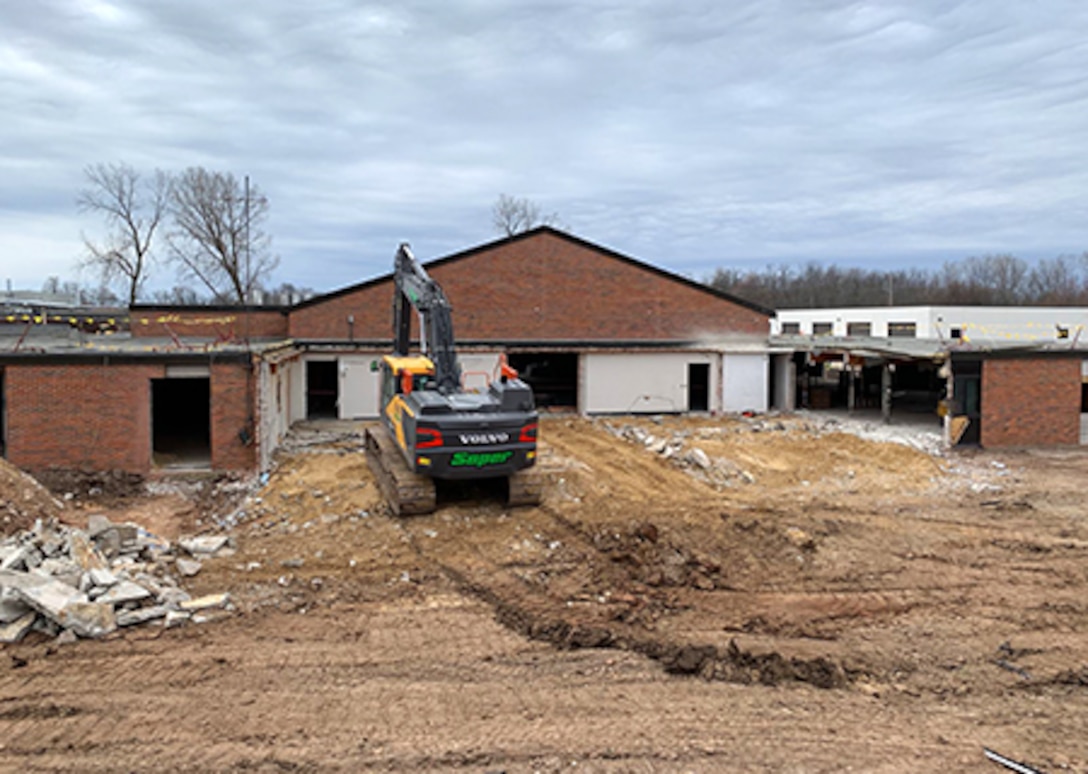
(71,583)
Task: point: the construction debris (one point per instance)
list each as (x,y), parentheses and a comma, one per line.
(75,583)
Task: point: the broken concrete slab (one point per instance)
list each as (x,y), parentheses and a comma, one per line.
(97,524)
(142,615)
(84,552)
(11,607)
(187,567)
(175,618)
(49,597)
(15,559)
(64,570)
(205,545)
(67,637)
(206,602)
(102,578)
(17,629)
(173,598)
(88,619)
(118,539)
(122,592)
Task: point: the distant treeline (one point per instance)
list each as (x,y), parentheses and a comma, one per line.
(992,280)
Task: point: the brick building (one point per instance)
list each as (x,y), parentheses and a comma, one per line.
(999,376)
(217,387)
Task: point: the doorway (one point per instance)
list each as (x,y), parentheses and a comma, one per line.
(698,386)
(181,423)
(322,389)
(552,375)
(967,401)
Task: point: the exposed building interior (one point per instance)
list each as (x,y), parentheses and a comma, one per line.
(552,375)
(181,423)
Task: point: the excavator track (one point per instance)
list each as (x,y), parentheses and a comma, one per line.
(407,493)
(525,487)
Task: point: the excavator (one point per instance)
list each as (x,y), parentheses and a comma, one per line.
(432,427)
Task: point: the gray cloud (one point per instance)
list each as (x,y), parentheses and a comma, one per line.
(697,136)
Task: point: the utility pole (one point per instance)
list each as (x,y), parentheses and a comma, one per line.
(246,291)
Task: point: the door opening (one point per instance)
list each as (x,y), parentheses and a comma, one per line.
(698,386)
(181,423)
(552,375)
(322,389)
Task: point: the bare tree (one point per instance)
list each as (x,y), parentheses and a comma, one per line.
(513,215)
(216,236)
(133,209)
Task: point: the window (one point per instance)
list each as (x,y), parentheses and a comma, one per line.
(905,330)
(791,328)
(821,329)
(956,333)
(859,329)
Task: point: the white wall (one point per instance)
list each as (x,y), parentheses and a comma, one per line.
(296,383)
(937,322)
(744,382)
(641,382)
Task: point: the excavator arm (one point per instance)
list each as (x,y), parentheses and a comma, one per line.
(416,290)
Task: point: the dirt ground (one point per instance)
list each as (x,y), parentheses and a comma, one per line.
(807,601)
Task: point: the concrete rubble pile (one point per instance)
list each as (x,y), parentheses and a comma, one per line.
(72,583)
(679,450)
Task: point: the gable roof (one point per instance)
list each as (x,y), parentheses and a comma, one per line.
(530,234)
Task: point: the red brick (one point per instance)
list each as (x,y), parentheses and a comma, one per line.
(1031,401)
(543,287)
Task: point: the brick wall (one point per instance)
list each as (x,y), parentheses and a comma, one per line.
(233,393)
(543,287)
(98,417)
(1031,401)
(79,416)
(225,325)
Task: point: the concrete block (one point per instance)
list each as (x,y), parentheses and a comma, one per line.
(187,567)
(15,558)
(118,539)
(175,618)
(17,629)
(84,553)
(64,570)
(97,524)
(88,619)
(173,598)
(49,597)
(204,545)
(102,577)
(142,615)
(11,607)
(206,602)
(67,637)
(124,591)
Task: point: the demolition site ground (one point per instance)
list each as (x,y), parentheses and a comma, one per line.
(693,594)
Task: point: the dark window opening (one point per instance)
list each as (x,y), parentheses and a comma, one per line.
(822,328)
(791,328)
(956,333)
(322,389)
(906,330)
(552,375)
(859,329)
(698,387)
(181,423)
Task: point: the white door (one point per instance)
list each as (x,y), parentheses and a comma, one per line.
(359,388)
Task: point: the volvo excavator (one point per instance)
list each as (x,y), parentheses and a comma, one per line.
(431,426)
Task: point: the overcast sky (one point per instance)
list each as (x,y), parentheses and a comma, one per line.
(689,135)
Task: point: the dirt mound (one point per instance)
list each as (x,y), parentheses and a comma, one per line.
(23,500)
